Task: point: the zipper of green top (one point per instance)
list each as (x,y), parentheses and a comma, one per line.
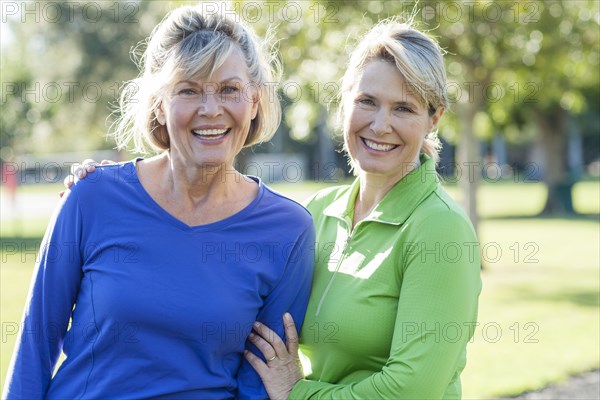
(337,267)
(339,263)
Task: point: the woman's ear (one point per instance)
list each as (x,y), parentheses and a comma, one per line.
(160,115)
(255,102)
(435,118)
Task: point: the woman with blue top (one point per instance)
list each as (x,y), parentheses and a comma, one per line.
(396,285)
(152,272)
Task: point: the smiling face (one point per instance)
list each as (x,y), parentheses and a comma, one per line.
(208,119)
(385,124)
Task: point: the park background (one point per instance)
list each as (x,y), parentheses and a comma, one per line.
(521,147)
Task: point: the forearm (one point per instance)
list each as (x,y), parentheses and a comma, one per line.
(290,296)
(54,287)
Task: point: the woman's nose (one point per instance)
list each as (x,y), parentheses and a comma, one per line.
(210,105)
(381,123)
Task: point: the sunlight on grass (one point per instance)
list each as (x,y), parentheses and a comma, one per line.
(24,227)
(15,275)
(586,197)
(500,199)
(538,318)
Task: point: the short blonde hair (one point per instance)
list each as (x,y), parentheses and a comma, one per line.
(418,58)
(189,44)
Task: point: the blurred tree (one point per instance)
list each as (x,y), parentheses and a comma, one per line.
(560,63)
(62,69)
(500,79)
(514,69)
(315,50)
(525,73)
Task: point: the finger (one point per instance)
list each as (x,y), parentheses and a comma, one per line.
(272,338)
(258,364)
(68,181)
(61,194)
(265,347)
(89,165)
(78,172)
(74,166)
(291,334)
(107,162)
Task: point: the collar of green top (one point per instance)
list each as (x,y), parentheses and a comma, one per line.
(399,203)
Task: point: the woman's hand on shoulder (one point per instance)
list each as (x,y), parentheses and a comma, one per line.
(80,171)
(283,369)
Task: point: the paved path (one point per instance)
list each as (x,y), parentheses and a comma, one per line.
(582,387)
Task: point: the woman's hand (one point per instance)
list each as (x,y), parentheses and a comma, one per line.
(80,171)
(283,369)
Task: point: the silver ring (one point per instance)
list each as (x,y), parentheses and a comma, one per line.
(272,358)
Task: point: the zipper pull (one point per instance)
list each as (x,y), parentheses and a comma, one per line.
(337,267)
(346,243)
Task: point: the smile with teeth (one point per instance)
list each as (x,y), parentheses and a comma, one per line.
(378,146)
(210,134)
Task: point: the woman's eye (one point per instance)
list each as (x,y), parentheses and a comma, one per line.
(229,89)
(404,109)
(187,91)
(367,102)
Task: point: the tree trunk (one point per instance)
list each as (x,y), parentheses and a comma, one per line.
(325,168)
(468,160)
(552,140)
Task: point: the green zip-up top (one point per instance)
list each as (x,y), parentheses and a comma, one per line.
(394,301)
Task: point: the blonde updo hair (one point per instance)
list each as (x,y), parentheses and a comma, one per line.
(186,45)
(418,58)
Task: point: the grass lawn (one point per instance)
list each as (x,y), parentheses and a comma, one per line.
(539,310)
(15,275)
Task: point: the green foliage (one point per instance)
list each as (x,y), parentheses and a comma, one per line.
(514,63)
(555,63)
(62,70)
(507,58)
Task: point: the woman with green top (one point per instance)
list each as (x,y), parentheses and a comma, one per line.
(396,279)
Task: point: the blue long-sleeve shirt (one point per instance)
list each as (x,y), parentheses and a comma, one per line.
(157,308)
